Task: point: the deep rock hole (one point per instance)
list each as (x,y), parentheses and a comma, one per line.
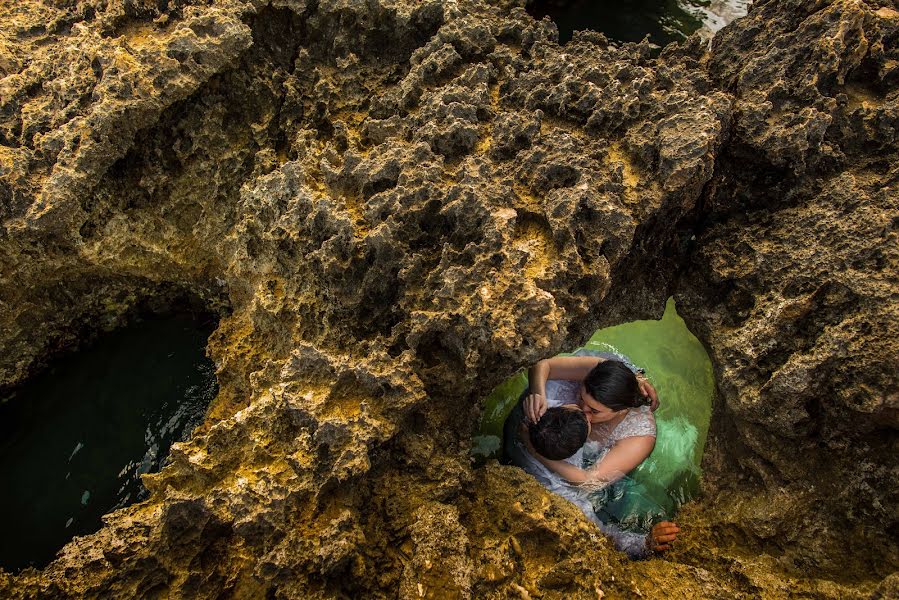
(76,438)
(680,369)
(663,22)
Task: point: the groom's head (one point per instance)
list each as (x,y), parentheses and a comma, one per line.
(560,432)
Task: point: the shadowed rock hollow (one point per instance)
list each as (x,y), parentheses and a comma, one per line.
(395,205)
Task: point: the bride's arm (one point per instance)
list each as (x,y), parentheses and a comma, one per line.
(618,462)
(572,368)
(622,459)
(565,470)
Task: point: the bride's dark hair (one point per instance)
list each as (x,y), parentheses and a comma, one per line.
(613,385)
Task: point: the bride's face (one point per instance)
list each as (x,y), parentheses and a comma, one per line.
(595,411)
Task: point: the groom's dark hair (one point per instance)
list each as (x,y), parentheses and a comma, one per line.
(559,433)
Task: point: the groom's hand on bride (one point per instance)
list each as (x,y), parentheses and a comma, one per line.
(534,407)
(647,390)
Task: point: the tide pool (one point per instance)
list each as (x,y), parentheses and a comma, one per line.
(664,21)
(679,368)
(75,440)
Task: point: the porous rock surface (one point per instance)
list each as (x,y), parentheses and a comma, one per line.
(395,205)
(794,287)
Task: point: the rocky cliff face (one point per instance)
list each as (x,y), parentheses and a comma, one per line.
(794,283)
(395,205)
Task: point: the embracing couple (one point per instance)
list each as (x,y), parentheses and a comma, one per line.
(584,422)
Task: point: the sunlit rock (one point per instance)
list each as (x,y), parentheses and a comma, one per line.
(395,205)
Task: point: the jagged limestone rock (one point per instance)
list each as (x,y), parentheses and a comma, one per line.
(793,287)
(394,205)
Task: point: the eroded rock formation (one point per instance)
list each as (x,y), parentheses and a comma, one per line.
(397,204)
(794,287)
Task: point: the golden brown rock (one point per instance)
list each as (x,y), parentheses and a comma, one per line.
(394,205)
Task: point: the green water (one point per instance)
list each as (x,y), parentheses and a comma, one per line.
(75,440)
(679,368)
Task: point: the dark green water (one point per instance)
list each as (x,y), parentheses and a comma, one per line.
(664,21)
(679,368)
(75,440)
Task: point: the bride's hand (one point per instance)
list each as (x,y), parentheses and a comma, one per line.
(534,407)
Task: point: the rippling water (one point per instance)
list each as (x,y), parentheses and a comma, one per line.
(75,441)
(679,368)
(631,20)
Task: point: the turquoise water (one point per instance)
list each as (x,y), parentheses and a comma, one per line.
(679,368)
(75,440)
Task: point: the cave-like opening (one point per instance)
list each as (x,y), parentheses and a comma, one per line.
(76,438)
(664,22)
(679,367)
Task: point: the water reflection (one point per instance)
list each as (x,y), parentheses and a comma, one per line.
(664,21)
(75,441)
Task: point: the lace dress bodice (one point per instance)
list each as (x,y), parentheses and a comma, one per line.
(638,422)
